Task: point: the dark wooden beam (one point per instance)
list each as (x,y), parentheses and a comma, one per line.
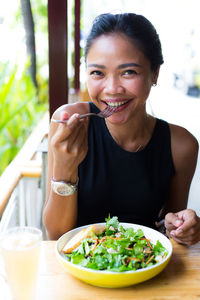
(58,77)
(77,46)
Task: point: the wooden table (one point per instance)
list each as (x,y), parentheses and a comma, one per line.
(179,280)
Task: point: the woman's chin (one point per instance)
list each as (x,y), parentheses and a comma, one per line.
(117,119)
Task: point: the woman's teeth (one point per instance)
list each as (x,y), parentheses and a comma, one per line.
(115,104)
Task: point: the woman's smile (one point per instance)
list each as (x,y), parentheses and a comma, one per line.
(120,104)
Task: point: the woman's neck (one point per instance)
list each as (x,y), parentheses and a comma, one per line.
(134,135)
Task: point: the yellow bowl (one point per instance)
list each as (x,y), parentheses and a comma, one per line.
(115,279)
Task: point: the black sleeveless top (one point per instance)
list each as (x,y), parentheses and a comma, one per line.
(131,185)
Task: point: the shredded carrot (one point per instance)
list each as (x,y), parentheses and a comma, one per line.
(128,259)
(148,242)
(96,243)
(116,238)
(135,259)
(102,239)
(150,259)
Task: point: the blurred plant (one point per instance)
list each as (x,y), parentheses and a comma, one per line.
(30,36)
(21,104)
(20,112)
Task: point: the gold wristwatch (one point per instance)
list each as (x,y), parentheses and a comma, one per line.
(63,188)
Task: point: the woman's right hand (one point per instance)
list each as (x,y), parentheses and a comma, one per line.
(67,148)
(69,145)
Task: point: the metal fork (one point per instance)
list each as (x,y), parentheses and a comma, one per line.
(107,112)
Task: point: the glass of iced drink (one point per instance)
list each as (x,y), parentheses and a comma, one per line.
(20,249)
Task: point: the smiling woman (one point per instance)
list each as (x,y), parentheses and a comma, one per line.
(130,164)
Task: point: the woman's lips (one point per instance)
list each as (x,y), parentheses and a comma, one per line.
(120,104)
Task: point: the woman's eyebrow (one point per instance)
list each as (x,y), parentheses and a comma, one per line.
(122,66)
(97,66)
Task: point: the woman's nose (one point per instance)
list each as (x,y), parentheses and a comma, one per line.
(113,86)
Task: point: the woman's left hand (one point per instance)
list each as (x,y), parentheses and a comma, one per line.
(183,226)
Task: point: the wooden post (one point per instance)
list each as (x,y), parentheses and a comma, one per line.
(77,46)
(58,77)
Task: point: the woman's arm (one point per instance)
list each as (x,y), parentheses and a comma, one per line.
(182,224)
(67,148)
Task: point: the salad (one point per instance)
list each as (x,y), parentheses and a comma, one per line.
(117,249)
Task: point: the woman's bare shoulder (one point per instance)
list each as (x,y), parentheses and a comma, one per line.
(181,136)
(72,108)
(184,144)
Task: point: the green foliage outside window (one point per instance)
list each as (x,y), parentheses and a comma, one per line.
(21,104)
(20,112)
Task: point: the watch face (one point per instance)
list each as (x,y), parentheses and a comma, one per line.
(65,189)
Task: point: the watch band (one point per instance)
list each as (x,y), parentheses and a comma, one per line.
(63,188)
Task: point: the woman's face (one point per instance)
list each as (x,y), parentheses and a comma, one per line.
(118,74)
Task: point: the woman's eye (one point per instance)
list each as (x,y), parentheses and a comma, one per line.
(96,73)
(130,72)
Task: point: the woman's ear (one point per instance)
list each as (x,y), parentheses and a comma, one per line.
(155,76)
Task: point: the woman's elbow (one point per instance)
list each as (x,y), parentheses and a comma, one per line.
(50,228)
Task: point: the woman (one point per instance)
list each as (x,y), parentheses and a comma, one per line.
(130,164)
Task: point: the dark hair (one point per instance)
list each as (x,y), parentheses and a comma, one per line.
(136,27)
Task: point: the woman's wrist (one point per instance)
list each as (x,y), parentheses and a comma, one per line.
(65,175)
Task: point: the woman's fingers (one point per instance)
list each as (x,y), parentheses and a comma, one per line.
(64,115)
(76,142)
(64,130)
(172,221)
(70,139)
(79,134)
(188,230)
(189,240)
